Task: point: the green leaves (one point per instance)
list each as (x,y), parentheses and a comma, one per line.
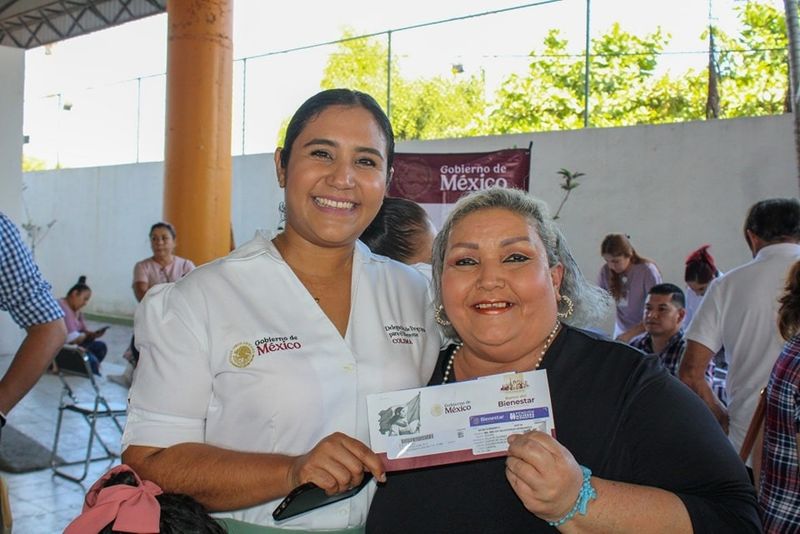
(625,85)
(569,181)
(754,71)
(423,108)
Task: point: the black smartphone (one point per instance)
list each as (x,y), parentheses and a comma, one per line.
(310,496)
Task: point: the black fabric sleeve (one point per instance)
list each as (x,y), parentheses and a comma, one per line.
(692,457)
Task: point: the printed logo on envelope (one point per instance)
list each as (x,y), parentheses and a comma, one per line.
(400,418)
(515,388)
(514,382)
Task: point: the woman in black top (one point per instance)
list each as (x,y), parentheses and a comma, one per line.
(636,451)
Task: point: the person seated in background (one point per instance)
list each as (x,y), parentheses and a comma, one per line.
(779,480)
(700,271)
(664,314)
(663,324)
(120,501)
(402,231)
(77,331)
(162,267)
(628,277)
(636,451)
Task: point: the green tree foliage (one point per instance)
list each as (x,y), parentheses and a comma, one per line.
(33,164)
(753,66)
(438,107)
(431,108)
(624,87)
(359,64)
(547,97)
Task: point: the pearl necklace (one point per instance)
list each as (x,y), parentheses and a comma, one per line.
(547,342)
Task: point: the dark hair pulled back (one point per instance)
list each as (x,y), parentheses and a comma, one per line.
(79,287)
(396,230)
(700,266)
(321,101)
(167,226)
(179,513)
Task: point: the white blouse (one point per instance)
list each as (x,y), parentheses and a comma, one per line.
(239,355)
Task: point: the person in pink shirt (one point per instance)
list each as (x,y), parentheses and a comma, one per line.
(162,267)
(77,331)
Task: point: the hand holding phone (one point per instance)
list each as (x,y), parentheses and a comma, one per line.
(309,496)
(322,464)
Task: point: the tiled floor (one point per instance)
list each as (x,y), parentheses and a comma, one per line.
(40,502)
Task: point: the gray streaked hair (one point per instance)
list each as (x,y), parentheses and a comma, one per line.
(591,303)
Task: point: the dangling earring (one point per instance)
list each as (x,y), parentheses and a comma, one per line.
(281,214)
(570,307)
(439,316)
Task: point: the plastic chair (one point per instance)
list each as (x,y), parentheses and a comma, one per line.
(73,366)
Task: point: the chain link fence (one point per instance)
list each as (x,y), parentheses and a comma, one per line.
(124,122)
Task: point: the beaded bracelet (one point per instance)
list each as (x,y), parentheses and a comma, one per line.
(586,494)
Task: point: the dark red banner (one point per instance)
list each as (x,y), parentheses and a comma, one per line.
(444,178)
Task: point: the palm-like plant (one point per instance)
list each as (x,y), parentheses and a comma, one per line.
(569,182)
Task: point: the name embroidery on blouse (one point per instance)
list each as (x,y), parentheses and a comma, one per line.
(402,334)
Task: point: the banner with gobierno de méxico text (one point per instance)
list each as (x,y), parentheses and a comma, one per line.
(436,181)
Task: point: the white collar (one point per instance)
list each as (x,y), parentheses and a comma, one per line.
(778,249)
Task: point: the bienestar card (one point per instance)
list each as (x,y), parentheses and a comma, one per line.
(457,422)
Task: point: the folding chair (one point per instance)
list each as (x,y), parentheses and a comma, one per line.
(73,365)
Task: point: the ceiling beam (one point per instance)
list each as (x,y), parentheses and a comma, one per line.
(32,23)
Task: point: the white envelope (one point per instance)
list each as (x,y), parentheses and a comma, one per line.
(457,422)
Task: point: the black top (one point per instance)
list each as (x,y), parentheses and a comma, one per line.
(622,415)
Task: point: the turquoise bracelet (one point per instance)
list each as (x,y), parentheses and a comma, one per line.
(586,494)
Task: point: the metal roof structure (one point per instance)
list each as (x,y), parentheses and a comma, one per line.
(31,23)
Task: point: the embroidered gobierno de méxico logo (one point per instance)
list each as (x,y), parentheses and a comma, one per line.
(242,354)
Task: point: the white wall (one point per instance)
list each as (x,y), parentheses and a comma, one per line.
(12,84)
(12,66)
(671,187)
(104,214)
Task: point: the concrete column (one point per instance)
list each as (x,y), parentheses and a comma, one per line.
(12,84)
(197,161)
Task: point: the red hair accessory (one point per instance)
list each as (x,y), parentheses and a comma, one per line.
(133,509)
(701,255)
